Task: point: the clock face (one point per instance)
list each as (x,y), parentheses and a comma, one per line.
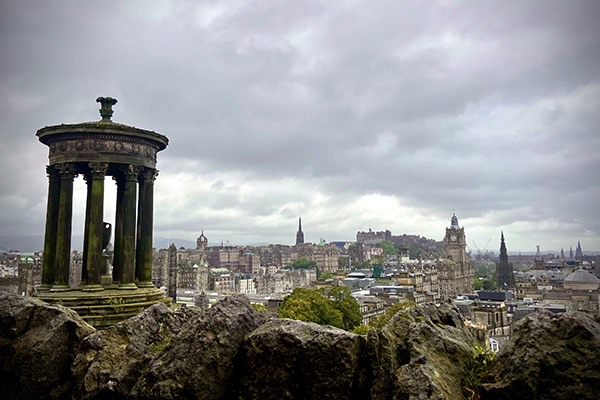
(453,238)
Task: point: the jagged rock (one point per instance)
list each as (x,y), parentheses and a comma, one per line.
(38,343)
(201,361)
(112,360)
(288,359)
(549,356)
(421,354)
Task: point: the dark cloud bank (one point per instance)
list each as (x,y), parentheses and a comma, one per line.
(353,114)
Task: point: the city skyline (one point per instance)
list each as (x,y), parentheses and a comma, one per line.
(352,115)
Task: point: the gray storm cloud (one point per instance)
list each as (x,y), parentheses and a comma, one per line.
(354,114)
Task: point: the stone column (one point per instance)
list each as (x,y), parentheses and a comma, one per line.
(145,216)
(129,209)
(138,240)
(94,228)
(62,260)
(48,266)
(86,232)
(118,251)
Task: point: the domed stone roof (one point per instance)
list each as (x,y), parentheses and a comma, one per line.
(581,276)
(454,222)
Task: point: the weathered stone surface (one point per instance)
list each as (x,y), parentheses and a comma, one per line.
(233,352)
(549,356)
(112,360)
(420,354)
(38,343)
(202,360)
(288,359)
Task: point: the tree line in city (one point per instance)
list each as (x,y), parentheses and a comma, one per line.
(485,275)
(333,306)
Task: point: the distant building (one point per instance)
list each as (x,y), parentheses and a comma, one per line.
(202,242)
(505,277)
(455,275)
(578,252)
(172,262)
(300,234)
(371,237)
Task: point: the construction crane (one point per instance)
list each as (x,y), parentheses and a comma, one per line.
(476,248)
(486,245)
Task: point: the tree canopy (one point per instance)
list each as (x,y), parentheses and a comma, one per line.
(304,263)
(388,247)
(309,305)
(347,305)
(326,275)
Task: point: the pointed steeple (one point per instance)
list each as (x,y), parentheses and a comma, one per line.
(504,273)
(503,253)
(578,252)
(300,234)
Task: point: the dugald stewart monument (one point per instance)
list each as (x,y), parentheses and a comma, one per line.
(97,150)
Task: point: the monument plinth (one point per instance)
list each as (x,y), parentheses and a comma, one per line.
(96,150)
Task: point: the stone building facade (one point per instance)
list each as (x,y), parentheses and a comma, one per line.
(455,274)
(284,281)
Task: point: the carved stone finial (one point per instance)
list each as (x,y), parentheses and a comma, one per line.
(106,104)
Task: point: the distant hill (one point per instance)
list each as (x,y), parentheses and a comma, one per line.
(164,243)
(25,243)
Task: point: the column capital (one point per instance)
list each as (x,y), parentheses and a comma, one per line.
(52,172)
(66,170)
(130,172)
(98,169)
(148,175)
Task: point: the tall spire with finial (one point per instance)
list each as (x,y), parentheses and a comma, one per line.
(300,234)
(504,272)
(578,252)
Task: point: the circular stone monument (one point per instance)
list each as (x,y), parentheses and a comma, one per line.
(95,150)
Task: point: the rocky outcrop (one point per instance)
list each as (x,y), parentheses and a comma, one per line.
(549,356)
(288,359)
(112,360)
(420,354)
(38,343)
(202,360)
(232,351)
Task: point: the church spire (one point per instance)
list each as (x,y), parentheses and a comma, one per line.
(300,234)
(578,252)
(505,277)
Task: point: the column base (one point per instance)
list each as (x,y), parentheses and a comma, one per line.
(60,288)
(127,286)
(145,285)
(92,288)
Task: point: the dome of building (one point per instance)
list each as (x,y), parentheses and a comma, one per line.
(454,222)
(582,276)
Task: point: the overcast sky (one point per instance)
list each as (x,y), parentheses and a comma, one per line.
(352,114)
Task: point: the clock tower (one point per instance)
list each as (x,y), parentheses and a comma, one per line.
(455,275)
(455,241)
